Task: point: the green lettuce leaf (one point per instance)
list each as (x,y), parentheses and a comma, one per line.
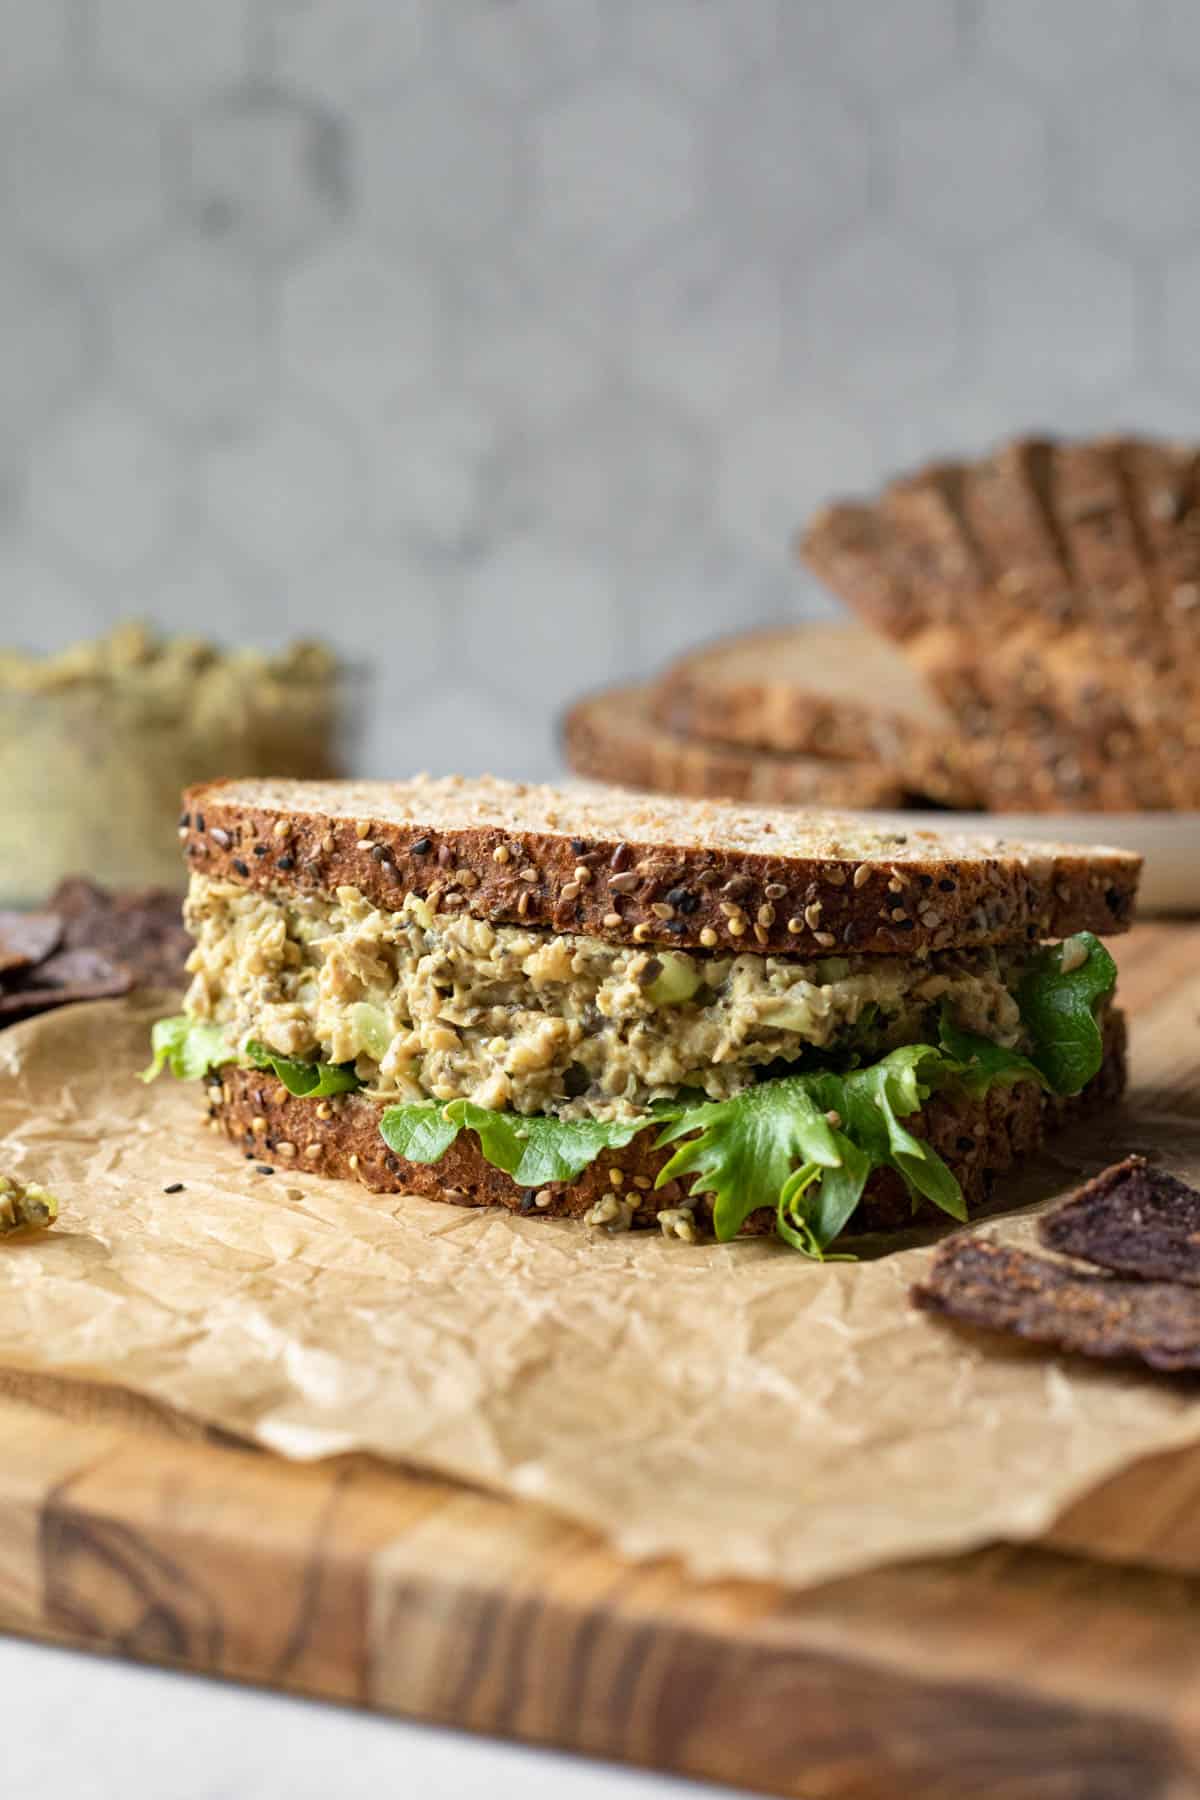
(188,1048)
(808,1144)
(1058,1008)
(982,1063)
(308,1081)
(743,1150)
(534,1150)
(419,1132)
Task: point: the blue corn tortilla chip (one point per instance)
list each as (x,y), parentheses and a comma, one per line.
(997,1288)
(1133,1219)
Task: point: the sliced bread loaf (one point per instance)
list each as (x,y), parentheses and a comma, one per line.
(1066,576)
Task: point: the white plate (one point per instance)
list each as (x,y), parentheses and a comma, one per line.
(1169,841)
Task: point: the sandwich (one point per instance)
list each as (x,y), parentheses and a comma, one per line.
(639,1012)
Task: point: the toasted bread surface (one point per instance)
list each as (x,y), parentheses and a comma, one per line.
(643,869)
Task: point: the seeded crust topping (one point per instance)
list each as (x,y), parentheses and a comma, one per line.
(645,870)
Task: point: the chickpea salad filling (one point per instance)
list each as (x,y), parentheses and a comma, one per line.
(433,1006)
(780,1081)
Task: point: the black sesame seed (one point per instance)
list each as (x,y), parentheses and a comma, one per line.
(1112,899)
(381,853)
(173,1187)
(849,932)
(946,886)
(926,881)
(579,845)
(1031,932)
(675,926)
(260,849)
(528,1200)
(420,846)
(199,821)
(185,820)
(964,1144)
(904,924)
(249,1154)
(285,863)
(240,867)
(684,899)
(263,1169)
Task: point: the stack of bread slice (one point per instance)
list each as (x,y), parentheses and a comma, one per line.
(1029,641)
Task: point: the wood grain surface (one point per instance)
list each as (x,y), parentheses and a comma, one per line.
(1066,1672)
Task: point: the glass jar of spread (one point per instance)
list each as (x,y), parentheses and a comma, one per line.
(98,742)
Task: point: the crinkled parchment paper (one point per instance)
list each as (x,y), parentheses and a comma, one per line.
(735,1406)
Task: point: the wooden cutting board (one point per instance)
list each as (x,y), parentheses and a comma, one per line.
(1066,1672)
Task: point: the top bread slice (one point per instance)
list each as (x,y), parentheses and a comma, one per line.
(641,869)
(833,691)
(1067,575)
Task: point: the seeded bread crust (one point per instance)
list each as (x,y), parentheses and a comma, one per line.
(614,736)
(635,869)
(979,1140)
(1068,577)
(832,691)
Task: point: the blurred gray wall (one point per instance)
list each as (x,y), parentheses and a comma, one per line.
(507,341)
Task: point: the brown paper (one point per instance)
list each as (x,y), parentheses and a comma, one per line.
(732,1405)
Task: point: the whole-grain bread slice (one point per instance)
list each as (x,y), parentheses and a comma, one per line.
(1025,758)
(979,1139)
(1066,574)
(642,869)
(614,736)
(832,691)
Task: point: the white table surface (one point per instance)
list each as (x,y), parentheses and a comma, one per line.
(82,1727)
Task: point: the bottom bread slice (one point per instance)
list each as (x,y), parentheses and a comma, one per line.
(978,1139)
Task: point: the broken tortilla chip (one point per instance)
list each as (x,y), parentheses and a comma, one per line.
(27,939)
(1132,1219)
(976,1282)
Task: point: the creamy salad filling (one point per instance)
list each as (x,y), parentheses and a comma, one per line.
(445,1006)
